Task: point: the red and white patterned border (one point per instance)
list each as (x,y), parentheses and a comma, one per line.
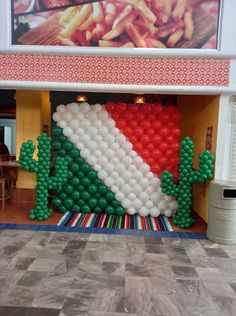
(115,70)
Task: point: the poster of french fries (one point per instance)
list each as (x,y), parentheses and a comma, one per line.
(116,23)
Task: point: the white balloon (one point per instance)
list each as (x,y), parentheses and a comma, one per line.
(115,188)
(102,174)
(109,167)
(132,168)
(92,160)
(137,189)
(97,107)
(149,189)
(114,160)
(126,175)
(84,107)
(97,153)
(119,196)
(97,123)
(67,131)
(98,138)
(84,153)
(155,183)
(143,196)
(97,167)
(103,131)
(79,116)
(110,153)
(67,116)
(61,108)
(126,189)
(136,204)
(132,196)
(168,213)
(115,146)
(127,161)
(85,139)
(127,146)
(85,124)
(120,182)
(92,131)
(155,212)
(137,175)
(114,174)
(173,205)
(131,211)
(103,116)
(144,183)
(168,198)
(150,175)
(120,138)
(120,153)
(162,205)
(119,168)
(132,182)
(102,160)
(91,116)
(62,124)
(126,203)
(74,124)
(110,124)
(56,116)
(103,146)
(74,108)
(110,139)
(133,154)
(79,146)
(143,211)
(149,204)
(92,145)
(144,168)
(74,138)
(79,131)
(138,161)
(115,131)
(155,197)
(109,182)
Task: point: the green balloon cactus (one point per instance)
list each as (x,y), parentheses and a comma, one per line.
(44,182)
(183,191)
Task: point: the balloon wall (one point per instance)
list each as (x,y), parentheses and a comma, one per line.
(115,154)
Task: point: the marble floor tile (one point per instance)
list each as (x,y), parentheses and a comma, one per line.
(216,252)
(18,296)
(111,300)
(153,248)
(219,288)
(184,272)
(19,263)
(153,240)
(32,278)
(42,312)
(45,264)
(13,311)
(227,306)
(47,298)
(113,268)
(137,270)
(79,300)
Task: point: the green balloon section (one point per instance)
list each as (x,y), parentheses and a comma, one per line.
(83,192)
(183,191)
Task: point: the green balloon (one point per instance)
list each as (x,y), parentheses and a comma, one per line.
(92,189)
(86,209)
(97,210)
(85,182)
(80,160)
(97,182)
(68,188)
(110,210)
(115,203)
(69,159)
(32,216)
(74,167)
(85,196)
(119,210)
(80,175)
(80,188)
(74,181)
(61,153)
(62,209)
(97,196)
(81,203)
(102,203)
(92,175)
(56,145)
(84,167)
(102,189)
(56,202)
(68,203)
(62,139)
(109,196)
(74,153)
(92,203)
(69,174)
(67,145)
(75,195)
(56,131)
(75,208)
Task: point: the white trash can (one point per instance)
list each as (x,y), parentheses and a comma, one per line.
(222,212)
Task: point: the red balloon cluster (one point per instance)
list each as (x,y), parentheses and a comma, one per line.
(154,131)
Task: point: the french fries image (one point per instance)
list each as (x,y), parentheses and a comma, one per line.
(127,23)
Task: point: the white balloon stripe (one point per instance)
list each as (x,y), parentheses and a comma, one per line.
(107,150)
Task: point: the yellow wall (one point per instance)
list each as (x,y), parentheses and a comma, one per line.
(199,113)
(32,112)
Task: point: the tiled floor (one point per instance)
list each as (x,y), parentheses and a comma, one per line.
(70,274)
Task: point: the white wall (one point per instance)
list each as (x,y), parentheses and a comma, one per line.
(12,124)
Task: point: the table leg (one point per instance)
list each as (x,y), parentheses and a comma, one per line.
(3,194)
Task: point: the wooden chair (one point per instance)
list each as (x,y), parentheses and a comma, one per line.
(7,186)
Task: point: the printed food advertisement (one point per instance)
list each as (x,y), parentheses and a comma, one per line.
(116,23)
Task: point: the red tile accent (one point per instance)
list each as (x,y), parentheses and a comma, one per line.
(115,70)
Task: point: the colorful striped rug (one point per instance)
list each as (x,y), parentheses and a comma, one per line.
(126,221)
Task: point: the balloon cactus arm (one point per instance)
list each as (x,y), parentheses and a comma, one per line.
(206,167)
(56,181)
(26,157)
(167,184)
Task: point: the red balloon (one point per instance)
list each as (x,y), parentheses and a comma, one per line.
(175,146)
(121,124)
(176,132)
(121,107)
(150,147)
(164,118)
(146,125)
(156,154)
(169,139)
(115,116)
(133,124)
(156,140)
(157,125)
(151,117)
(147,107)
(156,169)
(145,139)
(163,161)
(110,106)
(138,132)
(150,161)
(175,117)
(133,139)
(164,147)
(170,125)
(133,108)
(145,154)
(140,116)
(138,147)
(174,161)
(157,108)
(176,176)
(164,132)
(169,153)
(128,132)
(151,132)
(129,116)
(171,109)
